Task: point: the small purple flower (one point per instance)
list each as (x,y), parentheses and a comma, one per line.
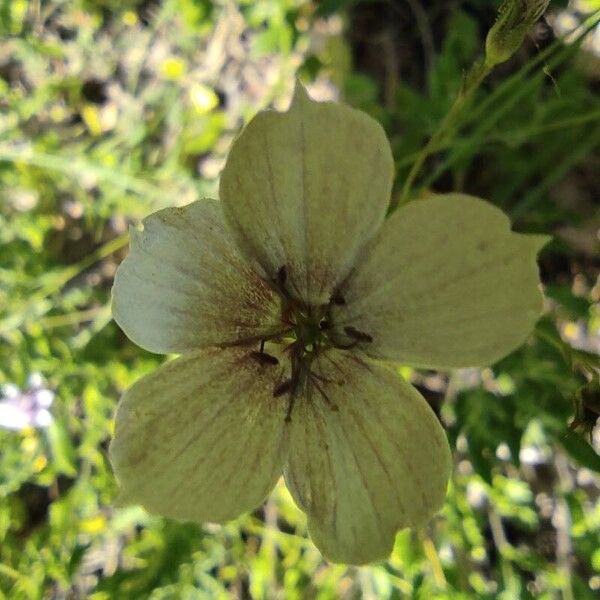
(27,408)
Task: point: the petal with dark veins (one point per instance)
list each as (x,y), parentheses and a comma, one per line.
(367,457)
(202,438)
(446,284)
(185,285)
(307,189)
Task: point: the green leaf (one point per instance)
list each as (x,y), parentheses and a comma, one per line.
(580,450)
(63,453)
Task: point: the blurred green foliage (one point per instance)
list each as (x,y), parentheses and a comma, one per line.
(110,110)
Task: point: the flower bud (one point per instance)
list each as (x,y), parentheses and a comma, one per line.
(515,18)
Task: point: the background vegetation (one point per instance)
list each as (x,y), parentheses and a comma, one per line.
(110,110)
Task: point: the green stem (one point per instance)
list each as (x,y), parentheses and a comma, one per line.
(73,318)
(514,137)
(502,545)
(479,71)
(504,98)
(434,560)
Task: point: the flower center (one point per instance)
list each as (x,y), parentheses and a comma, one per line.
(312,326)
(312,330)
(308,330)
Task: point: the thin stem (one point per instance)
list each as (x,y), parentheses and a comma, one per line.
(514,137)
(73,318)
(434,560)
(504,98)
(562,524)
(479,71)
(502,545)
(269,542)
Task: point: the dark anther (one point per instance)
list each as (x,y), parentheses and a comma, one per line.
(263,358)
(281,276)
(284,387)
(359,336)
(338,299)
(324,324)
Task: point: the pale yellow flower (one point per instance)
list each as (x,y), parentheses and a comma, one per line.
(284,299)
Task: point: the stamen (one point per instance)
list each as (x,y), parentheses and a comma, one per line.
(281,276)
(337,298)
(255,339)
(324,324)
(282,388)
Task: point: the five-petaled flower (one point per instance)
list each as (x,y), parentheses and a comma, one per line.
(285,298)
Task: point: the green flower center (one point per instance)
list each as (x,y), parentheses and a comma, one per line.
(310,329)
(312,326)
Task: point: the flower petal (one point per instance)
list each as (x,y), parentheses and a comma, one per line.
(306,189)
(13,416)
(185,285)
(446,284)
(368,457)
(201,438)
